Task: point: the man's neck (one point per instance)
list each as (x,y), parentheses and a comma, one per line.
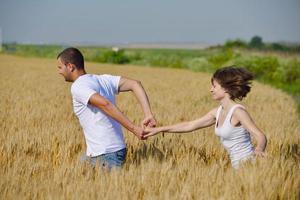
(77,74)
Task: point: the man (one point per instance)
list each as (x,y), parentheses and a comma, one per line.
(94,104)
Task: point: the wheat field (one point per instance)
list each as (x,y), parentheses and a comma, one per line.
(41,140)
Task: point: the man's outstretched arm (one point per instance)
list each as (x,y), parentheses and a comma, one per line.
(111,110)
(136,87)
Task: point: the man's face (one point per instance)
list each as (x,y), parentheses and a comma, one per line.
(64,70)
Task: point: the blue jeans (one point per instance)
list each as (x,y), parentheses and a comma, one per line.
(108,160)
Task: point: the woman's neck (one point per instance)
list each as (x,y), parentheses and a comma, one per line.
(227,103)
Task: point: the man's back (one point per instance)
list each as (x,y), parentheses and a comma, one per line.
(102,133)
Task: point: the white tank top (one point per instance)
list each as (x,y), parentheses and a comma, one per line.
(236,140)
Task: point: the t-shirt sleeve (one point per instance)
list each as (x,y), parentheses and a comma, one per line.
(82,93)
(113,82)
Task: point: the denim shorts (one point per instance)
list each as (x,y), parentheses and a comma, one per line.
(108,160)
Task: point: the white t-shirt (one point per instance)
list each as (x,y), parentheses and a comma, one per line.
(102,133)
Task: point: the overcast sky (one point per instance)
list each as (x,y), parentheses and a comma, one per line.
(135,21)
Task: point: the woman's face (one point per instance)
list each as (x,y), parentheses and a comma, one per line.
(218,93)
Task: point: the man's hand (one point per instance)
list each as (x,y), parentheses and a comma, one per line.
(149,121)
(139,132)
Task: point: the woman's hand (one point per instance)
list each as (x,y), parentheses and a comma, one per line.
(151,132)
(260,153)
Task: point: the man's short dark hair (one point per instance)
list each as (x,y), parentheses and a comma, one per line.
(73,56)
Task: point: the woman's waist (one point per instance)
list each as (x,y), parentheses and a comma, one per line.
(237,147)
(238,153)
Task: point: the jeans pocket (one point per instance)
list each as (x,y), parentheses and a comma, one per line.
(121,155)
(115,159)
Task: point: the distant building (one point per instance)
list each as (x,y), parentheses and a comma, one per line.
(115,49)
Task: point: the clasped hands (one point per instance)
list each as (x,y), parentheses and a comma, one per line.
(147,128)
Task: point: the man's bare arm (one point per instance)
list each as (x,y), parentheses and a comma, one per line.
(111,110)
(136,87)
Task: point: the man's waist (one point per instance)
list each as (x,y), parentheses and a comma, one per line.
(93,152)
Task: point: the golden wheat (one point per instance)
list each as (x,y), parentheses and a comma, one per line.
(41,140)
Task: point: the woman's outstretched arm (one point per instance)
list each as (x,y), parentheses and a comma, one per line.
(184,127)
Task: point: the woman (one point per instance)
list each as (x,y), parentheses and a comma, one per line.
(233,123)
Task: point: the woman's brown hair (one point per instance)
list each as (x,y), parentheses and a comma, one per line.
(235,80)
